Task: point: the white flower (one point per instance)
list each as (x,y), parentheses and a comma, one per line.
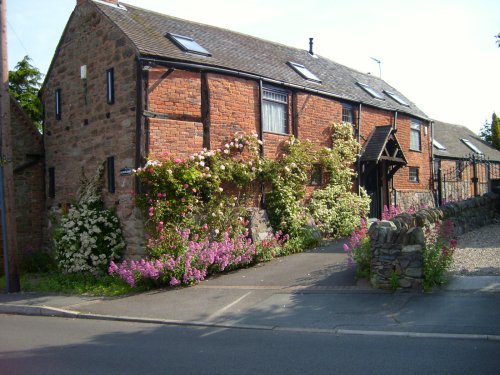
(202,163)
(226,151)
(222,167)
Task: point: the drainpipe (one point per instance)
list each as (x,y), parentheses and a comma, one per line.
(261,147)
(138,119)
(392,178)
(358,162)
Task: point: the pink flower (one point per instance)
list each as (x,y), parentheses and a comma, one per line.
(178,161)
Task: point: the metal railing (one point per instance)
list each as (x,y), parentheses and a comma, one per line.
(469,178)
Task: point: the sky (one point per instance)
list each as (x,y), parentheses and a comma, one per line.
(441,54)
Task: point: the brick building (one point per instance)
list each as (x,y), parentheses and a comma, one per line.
(126,84)
(29,193)
(464,164)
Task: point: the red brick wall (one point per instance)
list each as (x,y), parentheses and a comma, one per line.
(180,138)
(234,107)
(178,94)
(418,159)
(315,116)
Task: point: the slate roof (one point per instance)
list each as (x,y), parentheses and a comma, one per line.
(243,53)
(450,136)
(377,142)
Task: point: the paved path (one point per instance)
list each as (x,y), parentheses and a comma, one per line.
(312,291)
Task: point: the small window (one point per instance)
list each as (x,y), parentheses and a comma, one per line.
(188,44)
(471,146)
(438,145)
(52,182)
(396,98)
(437,167)
(110,86)
(371,91)
(316,175)
(110,169)
(459,169)
(413,174)
(58,104)
(274,110)
(304,72)
(348,113)
(415,136)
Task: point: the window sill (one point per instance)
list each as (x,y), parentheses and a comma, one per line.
(413,150)
(275,133)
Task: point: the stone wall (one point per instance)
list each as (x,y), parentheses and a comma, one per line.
(397,244)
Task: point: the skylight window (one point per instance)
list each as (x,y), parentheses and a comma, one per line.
(396,98)
(370,90)
(438,145)
(471,146)
(188,44)
(304,72)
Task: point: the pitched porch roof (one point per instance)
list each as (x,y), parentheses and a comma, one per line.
(382,144)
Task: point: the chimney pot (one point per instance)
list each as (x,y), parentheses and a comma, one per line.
(311,46)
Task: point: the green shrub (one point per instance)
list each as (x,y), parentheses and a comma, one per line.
(438,254)
(338,211)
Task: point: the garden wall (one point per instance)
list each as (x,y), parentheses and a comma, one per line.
(397,244)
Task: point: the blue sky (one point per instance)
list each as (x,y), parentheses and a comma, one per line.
(440,53)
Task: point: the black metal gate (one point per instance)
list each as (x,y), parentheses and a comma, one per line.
(469,177)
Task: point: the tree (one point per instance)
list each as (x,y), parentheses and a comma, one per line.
(495,131)
(24,83)
(485,132)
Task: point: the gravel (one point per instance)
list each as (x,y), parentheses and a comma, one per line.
(478,252)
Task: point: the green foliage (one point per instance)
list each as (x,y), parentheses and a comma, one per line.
(485,132)
(495,131)
(38,262)
(336,209)
(189,194)
(75,283)
(394,280)
(88,236)
(24,83)
(287,177)
(362,257)
(437,254)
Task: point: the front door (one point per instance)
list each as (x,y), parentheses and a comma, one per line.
(371,181)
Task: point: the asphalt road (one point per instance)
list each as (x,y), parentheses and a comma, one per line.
(46,345)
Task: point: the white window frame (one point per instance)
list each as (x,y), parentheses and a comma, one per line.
(416,176)
(274,110)
(415,135)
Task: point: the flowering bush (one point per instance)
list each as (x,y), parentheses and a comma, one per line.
(88,236)
(87,239)
(358,250)
(337,211)
(288,177)
(198,261)
(271,247)
(438,253)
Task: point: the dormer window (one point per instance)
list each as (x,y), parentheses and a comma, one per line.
(438,145)
(188,44)
(370,90)
(304,72)
(471,146)
(396,98)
